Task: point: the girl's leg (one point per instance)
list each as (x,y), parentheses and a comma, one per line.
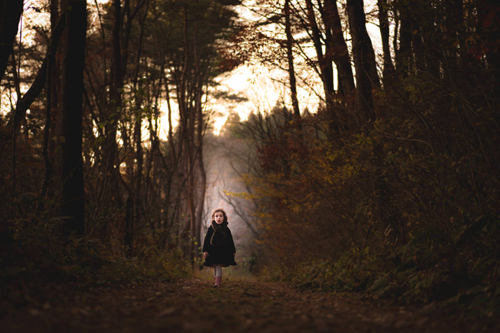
(215,275)
(218,270)
(218,275)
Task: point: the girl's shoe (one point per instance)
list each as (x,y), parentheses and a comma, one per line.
(218,281)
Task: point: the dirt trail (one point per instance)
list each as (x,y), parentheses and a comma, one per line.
(192,305)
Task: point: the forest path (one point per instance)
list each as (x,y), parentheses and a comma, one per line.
(192,305)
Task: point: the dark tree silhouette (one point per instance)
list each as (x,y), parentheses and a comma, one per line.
(10,15)
(72,207)
(364,59)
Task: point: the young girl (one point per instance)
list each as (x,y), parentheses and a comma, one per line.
(218,246)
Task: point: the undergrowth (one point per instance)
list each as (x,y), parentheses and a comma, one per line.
(36,254)
(441,277)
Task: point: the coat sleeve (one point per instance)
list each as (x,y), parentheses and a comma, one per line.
(206,242)
(231,242)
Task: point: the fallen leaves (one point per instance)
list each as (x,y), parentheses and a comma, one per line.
(167,312)
(192,305)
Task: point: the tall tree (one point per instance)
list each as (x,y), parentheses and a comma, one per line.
(336,50)
(72,207)
(51,101)
(337,47)
(404,59)
(10,15)
(364,60)
(325,66)
(289,55)
(384,33)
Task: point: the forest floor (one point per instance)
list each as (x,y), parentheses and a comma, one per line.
(240,305)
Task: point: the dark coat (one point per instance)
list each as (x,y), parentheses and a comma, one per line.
(220,254)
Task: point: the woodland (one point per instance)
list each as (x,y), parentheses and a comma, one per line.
(389,188)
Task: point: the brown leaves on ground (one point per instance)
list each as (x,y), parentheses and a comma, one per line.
(192,305)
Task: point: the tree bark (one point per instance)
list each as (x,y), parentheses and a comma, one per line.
(202,181)
(336,51)
(335,40)
(364,60)
(72,207)
(115,104)
(384,32)
(55,25)
(129,226)
(137,180)
(10,15)
(326,63)
(403,53)
(364,45)
(291,69)
(418,47)
(326,68)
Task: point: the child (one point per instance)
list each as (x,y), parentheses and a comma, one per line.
(218,246)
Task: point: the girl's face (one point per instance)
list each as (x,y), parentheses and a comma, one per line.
(219,217)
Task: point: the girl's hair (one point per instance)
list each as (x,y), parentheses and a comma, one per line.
(219,236)
(223,213)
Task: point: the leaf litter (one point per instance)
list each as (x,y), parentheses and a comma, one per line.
(192,305)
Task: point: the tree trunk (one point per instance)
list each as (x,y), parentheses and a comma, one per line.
(364,60)
(336,51)
(48,106)
(10,15)
(202,181)
(384,32)
(117,56)
(55,113)
(403,53)
(291,69)
(418,47)
(192,211)
(114,107)
(137,180)
(185,143)
(325,65)
(72,207)
(339,52)
(129,226)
